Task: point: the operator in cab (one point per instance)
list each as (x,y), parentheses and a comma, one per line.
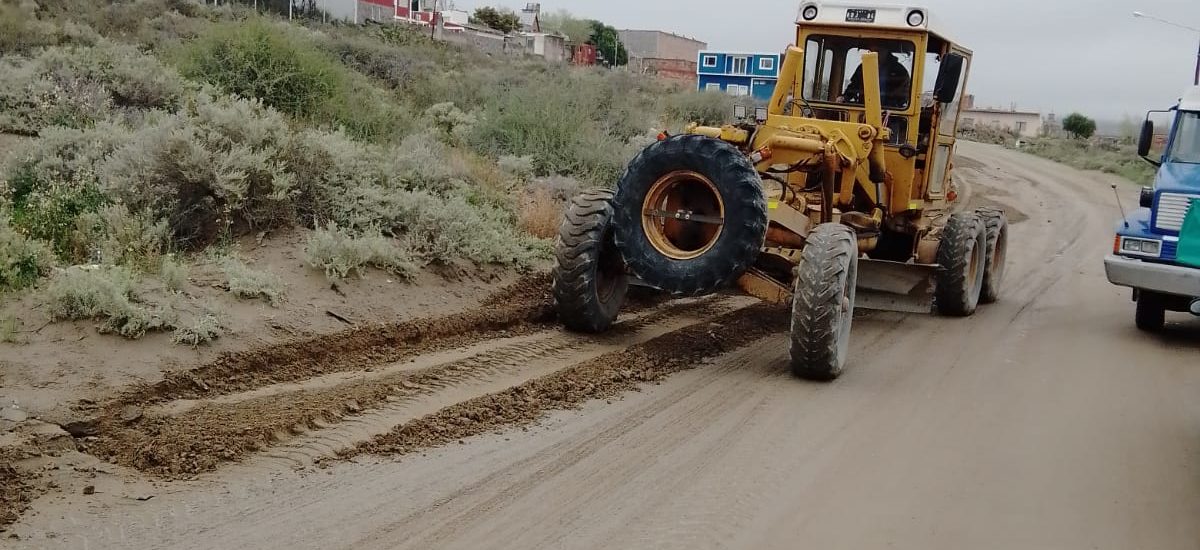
(894,81)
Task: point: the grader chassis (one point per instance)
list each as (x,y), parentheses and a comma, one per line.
(837,196)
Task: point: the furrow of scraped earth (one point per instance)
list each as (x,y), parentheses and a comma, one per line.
(400,388)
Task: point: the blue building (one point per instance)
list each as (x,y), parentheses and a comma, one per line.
(739,74)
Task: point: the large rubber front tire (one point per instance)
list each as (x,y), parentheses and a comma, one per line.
(962,255)
(1151,312)
(589,277)
(690,215)
(996,226)
(823,303)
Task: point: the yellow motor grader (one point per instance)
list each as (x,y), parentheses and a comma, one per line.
(835,195)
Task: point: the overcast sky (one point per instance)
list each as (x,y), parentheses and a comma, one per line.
(1045,55)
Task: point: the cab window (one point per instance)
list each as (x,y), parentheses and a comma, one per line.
(833,70)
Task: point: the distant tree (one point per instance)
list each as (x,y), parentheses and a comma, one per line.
(608,44)
(563,22)
(503,20)
(1079,126)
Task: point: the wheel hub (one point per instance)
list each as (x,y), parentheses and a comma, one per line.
(683,215)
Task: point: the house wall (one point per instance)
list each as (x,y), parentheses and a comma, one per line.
(375,11)
(672,46)
(640,43)
(660,45)
(556,48)
(670,69)
(1022,123)
(722,63)
(489,43)
(348,10)
(758,88)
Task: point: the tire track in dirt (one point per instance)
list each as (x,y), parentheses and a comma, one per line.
(499,369)
(521,308)
(207,434)
(605,376)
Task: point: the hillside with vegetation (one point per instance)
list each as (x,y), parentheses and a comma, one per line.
(158,137)
(1078,147)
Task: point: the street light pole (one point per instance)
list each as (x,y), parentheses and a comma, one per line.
(1174,24)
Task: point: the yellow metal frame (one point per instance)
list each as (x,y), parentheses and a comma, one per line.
(853,155)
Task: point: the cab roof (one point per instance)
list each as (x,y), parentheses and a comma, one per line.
(1191,100)
(873,16)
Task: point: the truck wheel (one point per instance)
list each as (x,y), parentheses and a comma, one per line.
(690,215)
(962,256)
(589,277)
(823,303)
(1151,312)
(996,225)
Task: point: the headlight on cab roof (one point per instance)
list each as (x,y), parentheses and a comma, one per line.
(1141,247)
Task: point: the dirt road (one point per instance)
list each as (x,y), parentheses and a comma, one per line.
(1046,421)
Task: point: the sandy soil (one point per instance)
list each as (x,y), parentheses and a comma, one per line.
(53,364)
(1045,421)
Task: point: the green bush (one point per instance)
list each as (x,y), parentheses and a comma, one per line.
(340,253)
(114,236)
(707,108)
(252,284)
(22,260)
(289,72)
(552,119)
(1119,159)
(49,210)
(105,294)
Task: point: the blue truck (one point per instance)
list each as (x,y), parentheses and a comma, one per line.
(1157,248)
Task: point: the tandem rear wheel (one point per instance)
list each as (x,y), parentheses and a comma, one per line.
(589,277)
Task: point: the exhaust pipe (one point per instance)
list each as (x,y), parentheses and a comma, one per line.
(1195,309)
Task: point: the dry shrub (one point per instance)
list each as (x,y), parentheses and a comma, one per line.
(214,168)
(173,274)
(10,328)
(78,86)
(107,295)
(252,284)
(22,260)
(340,253)
(200,331)
(541,214)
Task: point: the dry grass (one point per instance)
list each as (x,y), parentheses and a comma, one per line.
(541,214)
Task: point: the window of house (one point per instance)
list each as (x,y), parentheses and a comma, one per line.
(1021,125)
(737,90)
(741,65)
(710,61)
(766,64)
(712,87)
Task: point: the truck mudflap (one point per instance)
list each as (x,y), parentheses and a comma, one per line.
(895,286)
(1162,278)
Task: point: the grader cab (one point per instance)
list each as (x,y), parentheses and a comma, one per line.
(835,195)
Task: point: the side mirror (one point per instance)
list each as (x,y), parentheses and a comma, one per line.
(1146,139)
(945,90)
(1146,199)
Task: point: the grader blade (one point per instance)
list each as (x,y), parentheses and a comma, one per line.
(895,286)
